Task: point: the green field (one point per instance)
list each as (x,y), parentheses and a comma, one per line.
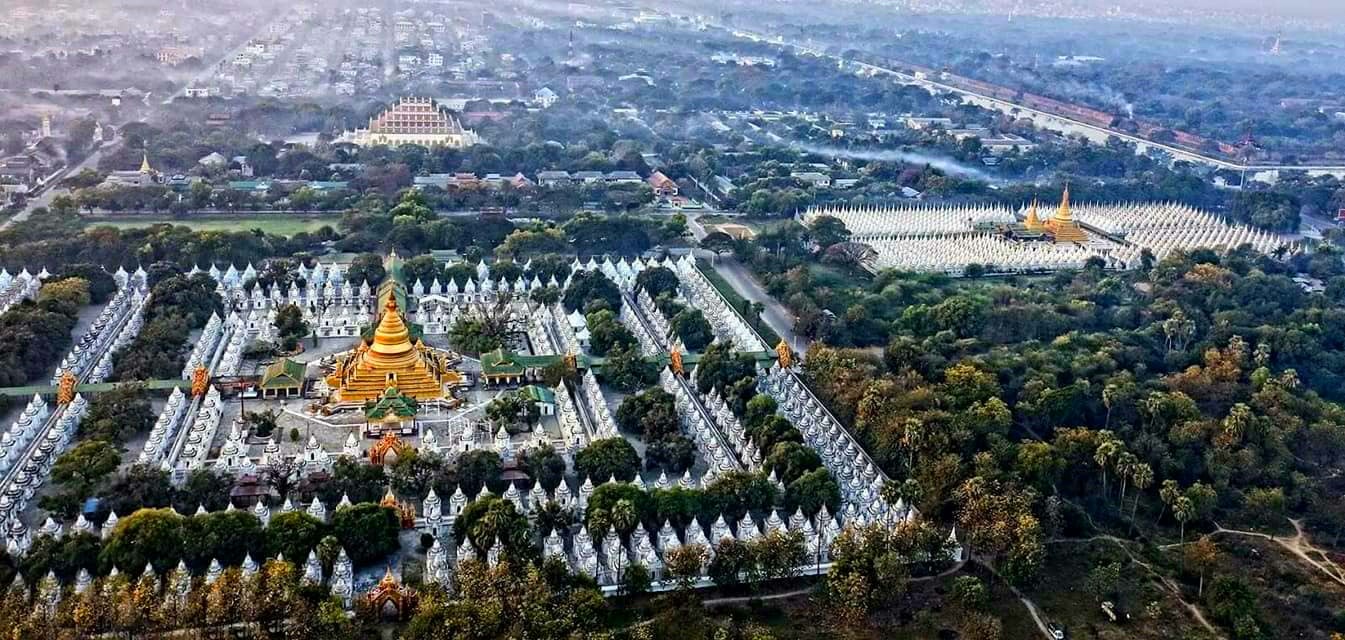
(283,225)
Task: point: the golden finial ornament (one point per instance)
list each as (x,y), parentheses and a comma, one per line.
(784,354)
(65,391)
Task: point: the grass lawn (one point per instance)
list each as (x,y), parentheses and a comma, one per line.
(282,225)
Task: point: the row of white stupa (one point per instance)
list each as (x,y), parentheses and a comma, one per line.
(322,275)
(727,324)
(948,238)
(42,434)
(177,582)
(14,289)
(700,425)
(859,478)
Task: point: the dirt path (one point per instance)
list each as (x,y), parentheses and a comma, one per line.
(1168,583)
(1299,545)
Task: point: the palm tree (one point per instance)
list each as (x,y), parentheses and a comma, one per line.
(599,521)
(1125,467)
(1102,457)
(1143,475)
(624,517)
(1168,494)
(1182,509)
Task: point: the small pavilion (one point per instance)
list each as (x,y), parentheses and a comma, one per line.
(284,378)
(393,412)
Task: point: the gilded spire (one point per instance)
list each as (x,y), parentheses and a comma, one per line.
(1033,222)
(144,164)
(1063,214)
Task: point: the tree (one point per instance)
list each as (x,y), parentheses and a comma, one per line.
(493,520)
(117,414)
(590,287)
(657,282)
(1104,581)
(226,536)
(651,413)
(811,491)
(828,230)
(544,465)
(366,267)
(1182,510)
(1201,556)
(413,473)
(204,488)
(290,326)
(607,333)
(607,457)
(82,469)
(627,370)
(367,531)
(477,469)
(684,564)
(693,329)
(970,592)
(294,535)
(148,536)
(141,485)
(1143,476)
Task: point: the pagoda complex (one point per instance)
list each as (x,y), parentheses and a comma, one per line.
(390,359)
(1062,226)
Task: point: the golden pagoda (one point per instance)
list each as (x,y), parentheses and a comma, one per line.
(391,359)
(144,164)
(1063,226)
(1033,223)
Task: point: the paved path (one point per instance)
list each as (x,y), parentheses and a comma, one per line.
(44,199)
(776,316)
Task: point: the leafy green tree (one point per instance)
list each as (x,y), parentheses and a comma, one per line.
(117,414)
(84,468)
(144,537)
(811,491)
(294,534)
(477,469)
(139,486)
(607,457)
(544,465)
(491,520)
(693,329)
(290,326)
(366,267)
(226,536)
(204,488)
(657,282)
(627,370)
(367,531)
(590,287)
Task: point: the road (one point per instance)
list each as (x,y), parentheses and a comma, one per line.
(777,317)
(48,194)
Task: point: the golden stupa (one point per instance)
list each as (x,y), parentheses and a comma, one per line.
(1033,223)
(392,359)
(1063,226)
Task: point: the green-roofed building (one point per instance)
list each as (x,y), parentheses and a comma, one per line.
(284,378)
(393,411)
(500,367)
(544,398)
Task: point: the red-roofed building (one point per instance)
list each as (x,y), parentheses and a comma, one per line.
(663,186)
